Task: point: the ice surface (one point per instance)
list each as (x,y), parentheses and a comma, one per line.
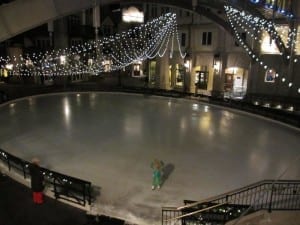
(111,139)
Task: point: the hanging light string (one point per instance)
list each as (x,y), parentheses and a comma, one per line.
(146,41)
(254,26)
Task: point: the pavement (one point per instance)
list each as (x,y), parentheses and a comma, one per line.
(17,208)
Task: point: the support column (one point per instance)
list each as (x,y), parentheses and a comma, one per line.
(51,30)
(96,25)
(219,77)
(61,34)
(96,20)
(252,78)
(162,80)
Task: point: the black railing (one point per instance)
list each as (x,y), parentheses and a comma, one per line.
(265,195)
(285,116)
(284,109)
(64,187)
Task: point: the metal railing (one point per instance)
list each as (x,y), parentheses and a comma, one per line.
(63,186)
(264,195)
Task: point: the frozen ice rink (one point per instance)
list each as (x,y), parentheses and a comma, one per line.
(110,139)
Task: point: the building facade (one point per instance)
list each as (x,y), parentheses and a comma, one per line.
(243,61)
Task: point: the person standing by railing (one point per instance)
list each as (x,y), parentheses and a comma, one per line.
(37,181)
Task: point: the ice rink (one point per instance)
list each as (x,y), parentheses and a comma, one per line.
(110,139)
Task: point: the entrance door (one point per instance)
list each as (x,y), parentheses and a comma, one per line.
(228,84)
(202,79)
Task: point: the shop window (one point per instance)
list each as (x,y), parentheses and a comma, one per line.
(270,76)
(137,70)
(206,38)
(201,79)
(179,75)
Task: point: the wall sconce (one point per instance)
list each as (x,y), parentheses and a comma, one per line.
(234,70)
(9,66)
(217,63)
(187,63)
(28,62)
(137,72)
(63,59)
(107,65)
(90,62)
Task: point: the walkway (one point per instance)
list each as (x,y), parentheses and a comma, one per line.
(17,208)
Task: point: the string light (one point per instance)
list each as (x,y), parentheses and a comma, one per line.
(240,20)
(147,41)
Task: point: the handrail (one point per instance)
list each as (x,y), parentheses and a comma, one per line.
(201,210)
(265,194)
(195,212)
(236,191)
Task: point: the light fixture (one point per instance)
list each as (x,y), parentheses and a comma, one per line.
(132,14)
(62,59)
(187,62)
(216,63)
(9,66)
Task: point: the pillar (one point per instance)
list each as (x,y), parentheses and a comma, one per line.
(61,33)
(51,30)
(162,78)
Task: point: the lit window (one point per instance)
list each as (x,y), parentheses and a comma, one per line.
(270,76)
(268,45)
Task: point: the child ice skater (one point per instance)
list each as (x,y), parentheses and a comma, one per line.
(157,167)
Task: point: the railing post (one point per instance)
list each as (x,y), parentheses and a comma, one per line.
(84,193)
(89,194)
(24,172)
(270,203)
(8,164)
(54,186)
(162,217)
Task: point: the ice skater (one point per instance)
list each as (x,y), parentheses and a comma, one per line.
(157,166)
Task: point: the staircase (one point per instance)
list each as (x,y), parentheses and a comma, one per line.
(264,195)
